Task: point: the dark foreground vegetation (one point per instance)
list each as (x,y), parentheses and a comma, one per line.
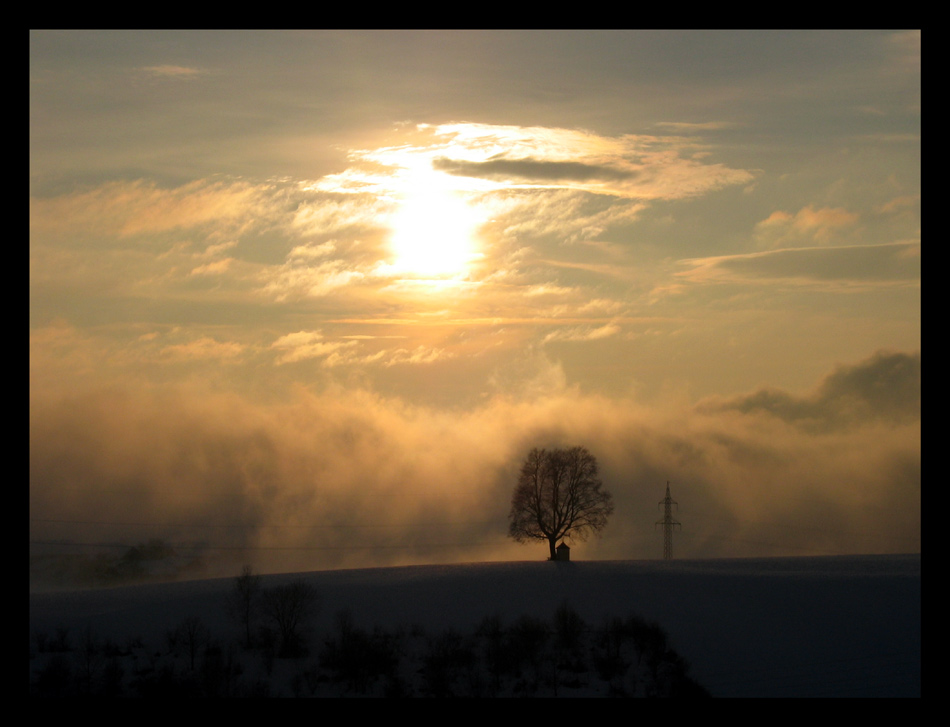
(274,653)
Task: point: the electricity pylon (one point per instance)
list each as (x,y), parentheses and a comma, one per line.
(668,523)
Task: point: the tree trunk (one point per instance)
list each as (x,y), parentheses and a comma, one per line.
(553,550)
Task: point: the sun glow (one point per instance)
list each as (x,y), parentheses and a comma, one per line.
(433,230)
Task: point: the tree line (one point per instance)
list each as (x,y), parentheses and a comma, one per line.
(526,656)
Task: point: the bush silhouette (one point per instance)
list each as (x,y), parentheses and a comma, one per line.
(356,657)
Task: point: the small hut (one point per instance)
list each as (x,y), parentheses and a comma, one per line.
(563,552)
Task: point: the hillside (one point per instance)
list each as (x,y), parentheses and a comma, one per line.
(845,626)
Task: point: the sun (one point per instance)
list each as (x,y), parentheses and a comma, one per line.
(433,230)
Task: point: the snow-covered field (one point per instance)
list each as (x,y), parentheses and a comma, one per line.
(844,626)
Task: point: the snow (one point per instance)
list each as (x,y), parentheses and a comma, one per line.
(842,626)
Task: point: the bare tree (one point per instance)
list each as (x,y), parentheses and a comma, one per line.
(243,602)
(288,607)
(558,496)
(192,634)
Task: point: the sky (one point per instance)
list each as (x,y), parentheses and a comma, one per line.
(310,297)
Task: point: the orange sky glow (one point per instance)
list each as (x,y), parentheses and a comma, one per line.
(307,299)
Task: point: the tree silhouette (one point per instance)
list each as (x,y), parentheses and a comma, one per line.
(244,600)
(288,607)
(558,496)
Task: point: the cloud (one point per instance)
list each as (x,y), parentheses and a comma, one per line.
(530,169)
(304,345)
(496,158)
(806,227)
(349,478)
(202,348)
(570,215)
(170,71)
(291,241)
(218,267)
(295,280)
(698,126)
(319,213)
(839,268)
(898,205)
(885,387)
(583,333)
(311,251)
(140,207)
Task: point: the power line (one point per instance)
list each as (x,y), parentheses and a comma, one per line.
(204,547)
(129,523)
